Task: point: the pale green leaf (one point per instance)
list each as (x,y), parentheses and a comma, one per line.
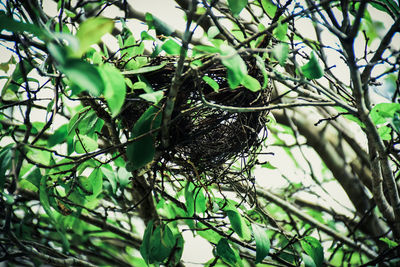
(153,97)
(236,67)
(251,83)
(281,53)
(91,31)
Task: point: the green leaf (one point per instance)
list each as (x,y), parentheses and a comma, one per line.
(225,251)
(111,177)
(91,31)
(84,75)
(96,181)
(281,53)
(17,77)
(236,6)
(308,261)
(44,198)
(145,246)
(160,26)
(238,223)
(5,163)
(115,88)
(84,144)
(207,49)
(314,249)
(58,136)
(236,67)
(76,119)
(384,112)
(261,65)
(207,233)
(189,198)
(251,83)
(144,69)
(280,32)
(268,166)
(263,243)
(171,47)
(212,83)
(153,97)
(33,176)
(385,132)
(7,23)
(269,7)
(387,6)
(142,151)
(312,70)
(389,242)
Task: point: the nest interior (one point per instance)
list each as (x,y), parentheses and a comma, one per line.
(206,136)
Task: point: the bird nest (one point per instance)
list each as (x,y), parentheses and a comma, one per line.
(205,136)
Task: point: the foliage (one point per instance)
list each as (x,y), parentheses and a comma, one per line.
(111,157)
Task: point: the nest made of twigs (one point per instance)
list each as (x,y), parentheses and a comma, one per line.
(206,136)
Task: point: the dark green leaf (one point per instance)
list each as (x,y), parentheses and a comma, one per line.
(141,151)
(312,70)
(189,198)
(145,246)
(211,82)
(314,249)
(263,243)
(115,88)
(388,6)
(5,163)
(58,136)
(91,31)
(236,6)
(281,53)
(7,23)
(171,47)
(238,223)
(225,251)
(110,175)
(160,26)
(85,75)
(251,83)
